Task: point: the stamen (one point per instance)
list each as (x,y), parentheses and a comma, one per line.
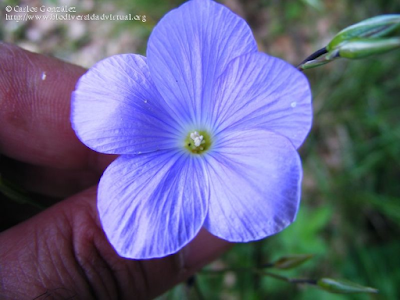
(197,138)
(198,142)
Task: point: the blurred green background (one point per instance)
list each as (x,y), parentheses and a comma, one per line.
(350,211)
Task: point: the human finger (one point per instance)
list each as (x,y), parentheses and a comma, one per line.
(64,252)
(35,93)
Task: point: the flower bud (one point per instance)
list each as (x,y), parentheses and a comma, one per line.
(375,27)
(342,286)
(291,261)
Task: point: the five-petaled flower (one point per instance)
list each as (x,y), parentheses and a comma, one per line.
(207,128)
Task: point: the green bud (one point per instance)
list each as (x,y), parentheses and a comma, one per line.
(291,261)
(360,48)
(375,27)
(342,286)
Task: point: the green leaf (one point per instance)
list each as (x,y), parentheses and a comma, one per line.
(291,261)
(343,286)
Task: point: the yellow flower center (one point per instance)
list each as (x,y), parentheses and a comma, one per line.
(198,142)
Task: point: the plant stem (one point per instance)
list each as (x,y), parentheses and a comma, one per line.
(286,279)
(263,273)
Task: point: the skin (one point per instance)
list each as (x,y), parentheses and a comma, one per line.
(62,252)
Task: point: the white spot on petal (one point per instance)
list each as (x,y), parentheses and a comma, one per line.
(293,104)
(44,76)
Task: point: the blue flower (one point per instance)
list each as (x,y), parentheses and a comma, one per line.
(207,128)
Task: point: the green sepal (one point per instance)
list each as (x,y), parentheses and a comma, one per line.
(319,61)
(360,48)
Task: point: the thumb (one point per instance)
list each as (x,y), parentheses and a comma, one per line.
(64,253)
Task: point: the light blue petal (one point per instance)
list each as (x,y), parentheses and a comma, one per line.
(189,48)
(260,91)
(151,205)
(117,109)
(255,182)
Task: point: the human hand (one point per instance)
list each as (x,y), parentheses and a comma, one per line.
(62,252)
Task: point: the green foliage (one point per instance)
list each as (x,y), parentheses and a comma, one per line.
(354,153)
